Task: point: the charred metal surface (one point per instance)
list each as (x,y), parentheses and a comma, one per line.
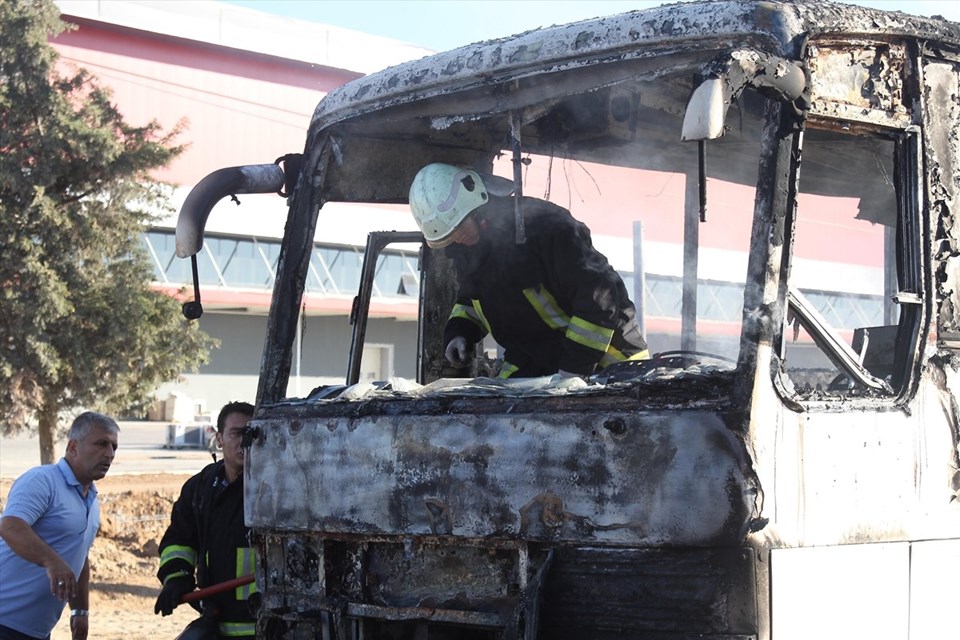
(289,572)
(860,82)
(762,315)
(942,145)
(438,97)
(295,252)
(397,579)
(670,387)
(666,593)
(525,619)
(771,75)
(581,590)
(438,290)
(776,25)
(558,475)
(455,617)
(442,577)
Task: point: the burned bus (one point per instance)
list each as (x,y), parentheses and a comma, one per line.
(777,181)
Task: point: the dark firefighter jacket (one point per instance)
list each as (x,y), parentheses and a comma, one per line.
(553,303)
(207,539)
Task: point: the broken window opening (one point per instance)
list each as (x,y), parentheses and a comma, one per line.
(854,258)
(612,156)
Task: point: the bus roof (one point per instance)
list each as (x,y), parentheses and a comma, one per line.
(774,26)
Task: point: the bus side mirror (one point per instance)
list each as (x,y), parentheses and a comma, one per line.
(725,79)
(706,112)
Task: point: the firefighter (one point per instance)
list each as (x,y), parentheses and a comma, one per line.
(207,542)
(553,303)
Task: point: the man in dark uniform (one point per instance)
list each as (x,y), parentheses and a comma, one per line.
(207,542)
(553,303)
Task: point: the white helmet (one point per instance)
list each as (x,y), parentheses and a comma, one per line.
(441,196)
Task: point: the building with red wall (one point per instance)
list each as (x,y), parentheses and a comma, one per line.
(241,86)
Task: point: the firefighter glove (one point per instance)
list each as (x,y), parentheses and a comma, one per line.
(456,351)
(171,594)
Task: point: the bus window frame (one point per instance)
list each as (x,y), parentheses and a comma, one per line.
(913,295)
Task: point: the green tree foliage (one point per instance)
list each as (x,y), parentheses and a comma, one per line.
(79,324)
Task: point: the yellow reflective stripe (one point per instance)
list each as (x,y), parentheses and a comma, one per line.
(614,355)
(467,313)
(479,311)
(178,552)
(176,574)
(246,563)
(546,307)
(589,334)
(237,629)
(507,370)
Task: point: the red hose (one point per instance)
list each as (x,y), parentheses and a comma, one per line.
(214,589)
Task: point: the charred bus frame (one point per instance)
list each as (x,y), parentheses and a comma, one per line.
(674,499)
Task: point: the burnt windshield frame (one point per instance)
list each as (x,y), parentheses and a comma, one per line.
(356,147)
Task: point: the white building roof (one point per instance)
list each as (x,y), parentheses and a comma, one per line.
(240,28)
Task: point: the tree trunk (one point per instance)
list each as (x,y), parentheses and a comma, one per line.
(48,421)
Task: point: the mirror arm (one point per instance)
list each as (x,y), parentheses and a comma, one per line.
(192,309)
(521,235)
(702,179)
(725,79)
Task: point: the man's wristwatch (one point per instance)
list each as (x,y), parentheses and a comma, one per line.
(79,612)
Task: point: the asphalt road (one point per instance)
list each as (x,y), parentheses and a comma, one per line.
(142,450)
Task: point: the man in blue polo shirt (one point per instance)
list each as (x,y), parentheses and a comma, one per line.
(48,525)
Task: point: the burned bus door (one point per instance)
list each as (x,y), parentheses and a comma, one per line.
(860,468)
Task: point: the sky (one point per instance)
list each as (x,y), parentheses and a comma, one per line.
(446,24)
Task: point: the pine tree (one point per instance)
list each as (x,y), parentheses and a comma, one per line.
(80,326)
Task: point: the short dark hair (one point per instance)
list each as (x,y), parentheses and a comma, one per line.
(84,423)
(244,408)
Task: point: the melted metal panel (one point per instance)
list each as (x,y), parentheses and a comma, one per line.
(610,478)
(860,82)
(681,592)
(777,25)
(942,146)
(289,571)
(398,579)
(660,592)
